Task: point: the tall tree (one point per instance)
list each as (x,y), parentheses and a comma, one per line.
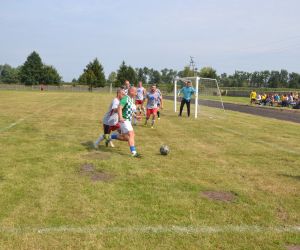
(208,72)
(32,69)
(9,74)
(125,73)
(186,72)
(93,75)
(50,75)
(112,78)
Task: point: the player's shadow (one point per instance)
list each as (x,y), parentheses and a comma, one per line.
(89,146)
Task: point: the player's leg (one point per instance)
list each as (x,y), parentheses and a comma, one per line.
(102,136)
(154,114)
(111,129)
(147,116)
(188,106)
(127,131)
(181,106)
(143,107)
(158,112)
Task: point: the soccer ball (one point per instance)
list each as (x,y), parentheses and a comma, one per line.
(164,150)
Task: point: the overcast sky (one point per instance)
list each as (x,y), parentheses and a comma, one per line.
(225,34)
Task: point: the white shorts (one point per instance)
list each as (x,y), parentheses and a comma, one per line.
(126,127)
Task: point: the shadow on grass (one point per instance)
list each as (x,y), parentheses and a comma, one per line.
(295,177)
(89,146)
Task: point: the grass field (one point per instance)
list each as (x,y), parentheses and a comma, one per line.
(48,201)
(231,99)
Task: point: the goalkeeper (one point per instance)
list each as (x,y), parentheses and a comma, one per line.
(187,91)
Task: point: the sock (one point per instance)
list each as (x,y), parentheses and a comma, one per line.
(114,137)
(158,114)
(152,123)
(101,138)
(133,149)
(134,120)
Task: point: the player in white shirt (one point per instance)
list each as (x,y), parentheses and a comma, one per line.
(111,119)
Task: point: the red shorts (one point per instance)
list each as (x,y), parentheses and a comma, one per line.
(151,111)
(114,128)
(138,102)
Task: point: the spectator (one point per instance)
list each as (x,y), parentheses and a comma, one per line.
(258,99)
(253,97)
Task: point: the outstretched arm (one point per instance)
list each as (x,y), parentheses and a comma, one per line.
(120,113)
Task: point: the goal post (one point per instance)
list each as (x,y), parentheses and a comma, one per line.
(205,86)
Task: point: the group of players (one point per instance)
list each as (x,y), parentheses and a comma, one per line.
(127,108)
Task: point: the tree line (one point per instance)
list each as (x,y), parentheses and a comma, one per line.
(34,72)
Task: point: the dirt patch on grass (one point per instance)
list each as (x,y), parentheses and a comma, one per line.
(293,247)
(102,176)
(88,169)
(97,156)
(219,196)
(282,214)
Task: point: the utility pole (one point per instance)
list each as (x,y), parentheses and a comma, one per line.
(193,65)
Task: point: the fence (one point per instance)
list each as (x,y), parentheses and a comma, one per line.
(67,88)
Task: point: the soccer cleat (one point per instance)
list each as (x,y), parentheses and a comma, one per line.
(136,155)
(152,126)
(158,118)
(111,144)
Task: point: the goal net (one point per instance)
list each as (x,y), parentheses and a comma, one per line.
(207,93)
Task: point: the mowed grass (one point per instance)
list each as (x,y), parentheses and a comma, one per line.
(44,141)
(231,99)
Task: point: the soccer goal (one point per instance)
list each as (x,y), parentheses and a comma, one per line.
(207,88)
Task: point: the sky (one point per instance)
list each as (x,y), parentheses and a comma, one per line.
(228,35)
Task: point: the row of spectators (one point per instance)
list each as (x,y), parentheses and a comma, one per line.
(274,99)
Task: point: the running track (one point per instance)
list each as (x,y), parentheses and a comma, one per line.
(279,114)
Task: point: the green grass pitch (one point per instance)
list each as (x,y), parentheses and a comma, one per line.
(47,201)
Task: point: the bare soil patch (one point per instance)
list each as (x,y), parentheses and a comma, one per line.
(293,247)
(102,176)
(219,195)
(88,169)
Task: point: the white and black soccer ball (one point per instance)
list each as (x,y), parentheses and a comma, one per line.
(164,150)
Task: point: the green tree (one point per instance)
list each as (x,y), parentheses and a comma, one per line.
(93,75)
(155,77)
(32,70)
(294,80)
(274,80)
(9,74)
(167,75)
(141,76)
(186,72)
(112,78)
(50,75)
(125,73)
(208,72)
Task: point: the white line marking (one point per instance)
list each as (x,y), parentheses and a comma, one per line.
(26,117)
(154,229)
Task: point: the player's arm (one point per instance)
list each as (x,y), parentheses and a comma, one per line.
(120,107)
(120,113)
(161,102)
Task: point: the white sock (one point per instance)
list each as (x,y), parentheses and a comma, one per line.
(101,138)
